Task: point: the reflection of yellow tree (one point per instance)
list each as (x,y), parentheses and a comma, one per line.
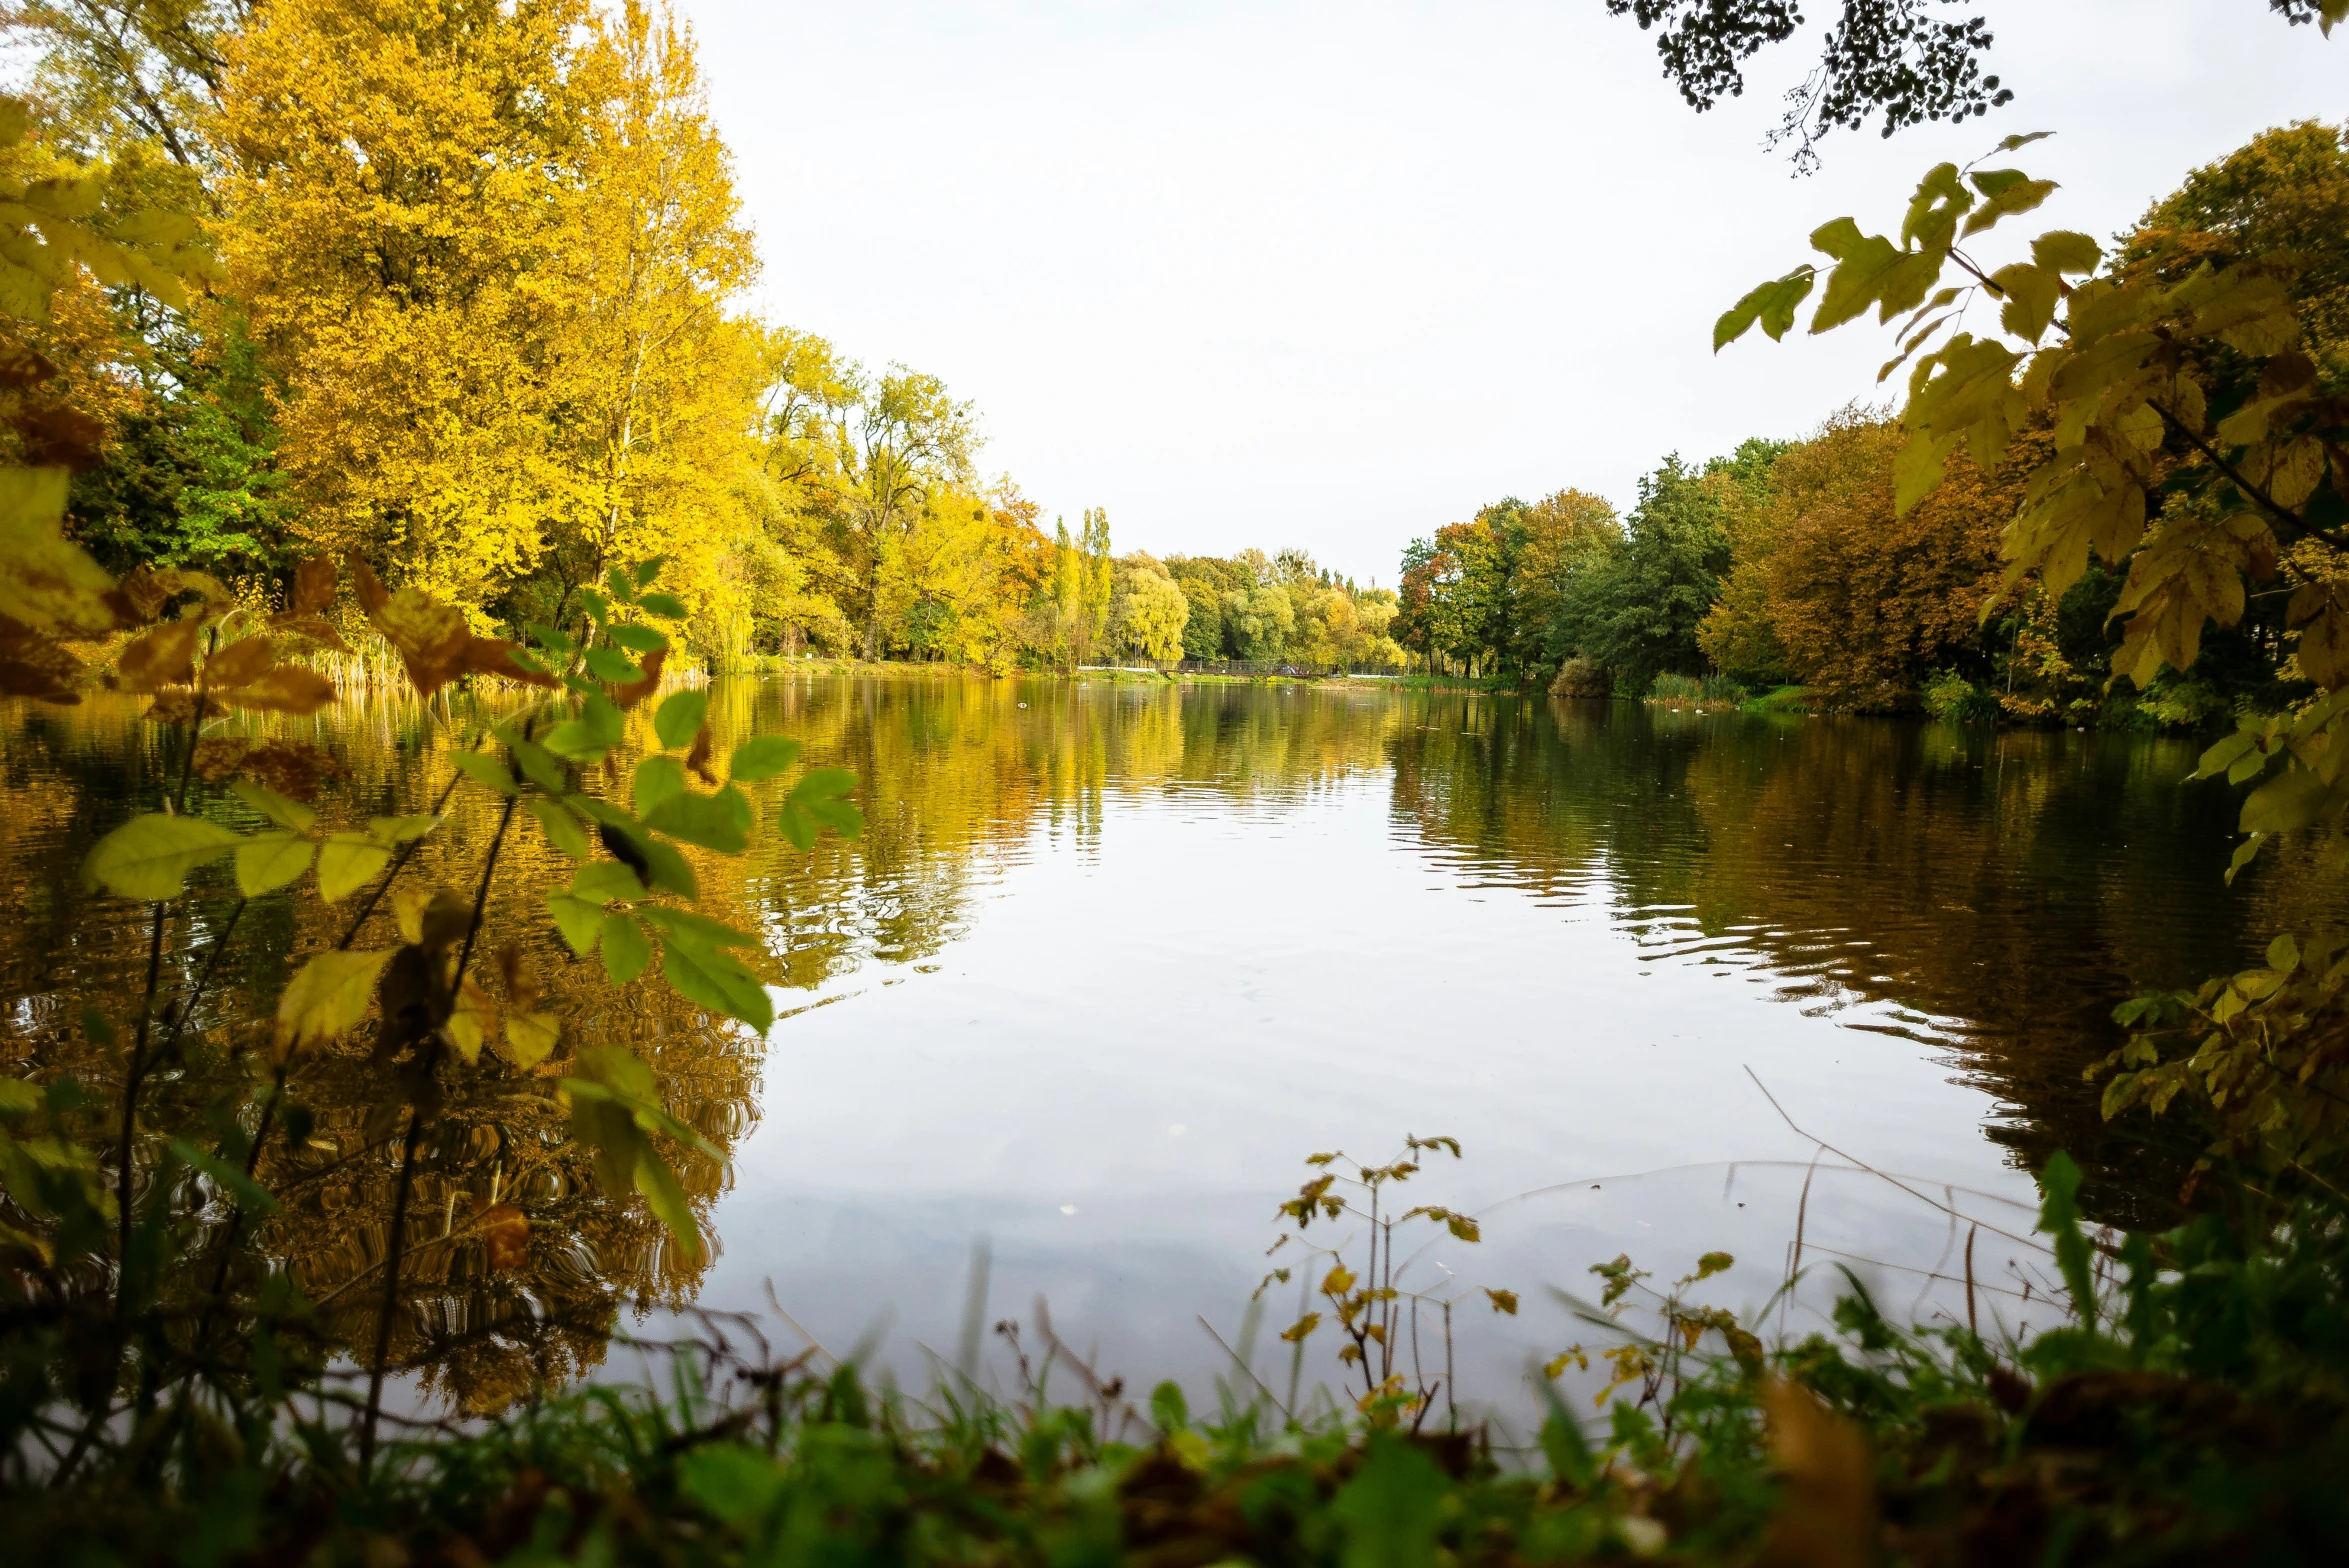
(500,1135)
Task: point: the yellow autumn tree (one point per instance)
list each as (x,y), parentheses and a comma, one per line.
(395,201)
(489,250)
(659,379)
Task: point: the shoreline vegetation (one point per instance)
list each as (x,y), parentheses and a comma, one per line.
(444,303)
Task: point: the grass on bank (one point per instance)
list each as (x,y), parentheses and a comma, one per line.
(2193,1412)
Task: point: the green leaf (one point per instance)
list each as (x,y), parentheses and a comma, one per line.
(627,950)
(346,861)
(657,780)
(289,814)
(838,815)
(268,861)
(1863,261)
(2283,954)
(580,921)
(697,928)
(622,586)
(598,729)
(610,664)
(761,758)
(2287,802)
(636,639)
(822,784)
(149,858)
(1393,1508)
(547,637)
(540,767)
(715,980)
(485,769)
(599,608)
(705,820)
(2010,191)
(1773,304)
(679,717)
(665,1196)
(398,830)
(327,997)
(648,570)
(666,606)
(601,881)
(668,869)
(562,829)
(2059,1217)
(735,1483)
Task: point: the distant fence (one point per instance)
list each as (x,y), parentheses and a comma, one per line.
(1305,669)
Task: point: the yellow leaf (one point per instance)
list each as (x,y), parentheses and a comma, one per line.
(47,582)
(531,1037)
(471,1022)
(1339,1280)
(269,861)
(149,858)
(1503,1300)
(327,998)
(345,863)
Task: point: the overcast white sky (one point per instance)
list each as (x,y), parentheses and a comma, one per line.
(1331,274)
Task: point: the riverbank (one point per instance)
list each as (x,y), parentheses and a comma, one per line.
(2192,1412)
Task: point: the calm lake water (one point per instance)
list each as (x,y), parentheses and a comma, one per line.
(1112,960)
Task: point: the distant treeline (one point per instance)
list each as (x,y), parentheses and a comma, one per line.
(1787,562)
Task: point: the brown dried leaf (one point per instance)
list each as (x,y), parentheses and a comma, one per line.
(179,706)
(286,688)
(242,661)
(290,767)
(315,628)
(147,592)
(505,1234)
(494,656)
(57,435)
(432,638)
(1827,1518)
(698,759)
(35,666)
(636,691)
(21,366)
(522,989)
(314,584)
(163,657)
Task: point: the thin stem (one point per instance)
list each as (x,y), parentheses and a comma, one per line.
(134,1077)
(397,1243)
(399,861)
